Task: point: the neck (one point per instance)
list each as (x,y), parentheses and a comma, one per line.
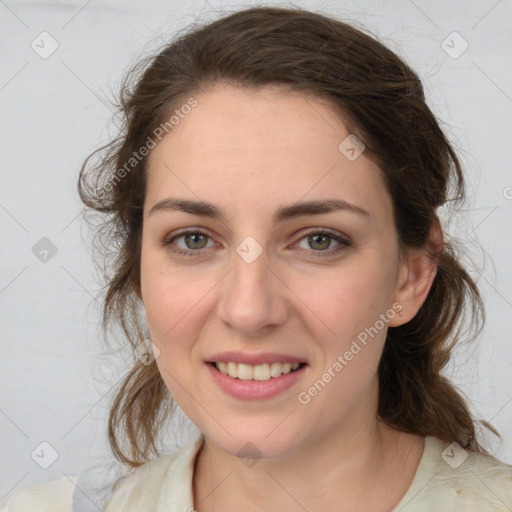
(367,466)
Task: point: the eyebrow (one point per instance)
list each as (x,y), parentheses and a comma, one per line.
(204,209)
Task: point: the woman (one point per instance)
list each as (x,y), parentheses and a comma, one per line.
(273,199)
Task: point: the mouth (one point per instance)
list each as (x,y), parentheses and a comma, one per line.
(259,372)
(255,382)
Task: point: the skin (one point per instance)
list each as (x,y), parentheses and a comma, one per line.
(250,152)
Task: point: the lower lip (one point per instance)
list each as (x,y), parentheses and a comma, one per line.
(255,389)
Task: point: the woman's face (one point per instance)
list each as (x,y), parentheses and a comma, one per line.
(255,282)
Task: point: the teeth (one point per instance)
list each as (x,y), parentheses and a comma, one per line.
(244,372)
(232,369)
(257,372)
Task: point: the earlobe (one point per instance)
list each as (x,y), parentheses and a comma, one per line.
(416,277)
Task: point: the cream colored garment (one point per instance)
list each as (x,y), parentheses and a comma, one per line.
(478,484)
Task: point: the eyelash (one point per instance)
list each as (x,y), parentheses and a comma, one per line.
(344,242)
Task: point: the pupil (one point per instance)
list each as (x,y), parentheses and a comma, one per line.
(325,237)
(194,239)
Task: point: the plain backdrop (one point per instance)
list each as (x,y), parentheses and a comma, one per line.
(55,379)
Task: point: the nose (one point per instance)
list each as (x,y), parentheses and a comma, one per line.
(254,298)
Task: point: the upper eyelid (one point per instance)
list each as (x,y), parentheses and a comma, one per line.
(187,231)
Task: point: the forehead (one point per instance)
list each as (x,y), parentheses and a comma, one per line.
(269,119)
(261,148)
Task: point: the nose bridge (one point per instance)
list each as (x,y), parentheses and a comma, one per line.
(252,297)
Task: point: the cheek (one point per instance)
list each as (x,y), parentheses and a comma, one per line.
(352,346)
(172,309)
(351,297)
(351,303)
(170,294)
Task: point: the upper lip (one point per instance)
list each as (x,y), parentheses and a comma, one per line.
(253,359)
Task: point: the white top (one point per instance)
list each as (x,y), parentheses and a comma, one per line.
(447,479)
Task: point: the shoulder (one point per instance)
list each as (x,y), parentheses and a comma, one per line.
(52,496)
(88,491)
(165,480)
(449,476)
(479,481)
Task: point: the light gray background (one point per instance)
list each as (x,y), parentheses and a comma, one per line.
(54,379)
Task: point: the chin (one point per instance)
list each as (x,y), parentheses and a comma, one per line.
(254,444)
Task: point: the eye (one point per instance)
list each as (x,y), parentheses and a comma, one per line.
(194,241)
(320,241)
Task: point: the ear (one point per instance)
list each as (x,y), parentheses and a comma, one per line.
(416,275)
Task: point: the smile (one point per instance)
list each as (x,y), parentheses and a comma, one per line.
(261,372)
(256,382)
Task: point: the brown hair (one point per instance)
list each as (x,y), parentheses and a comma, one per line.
(381,100)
